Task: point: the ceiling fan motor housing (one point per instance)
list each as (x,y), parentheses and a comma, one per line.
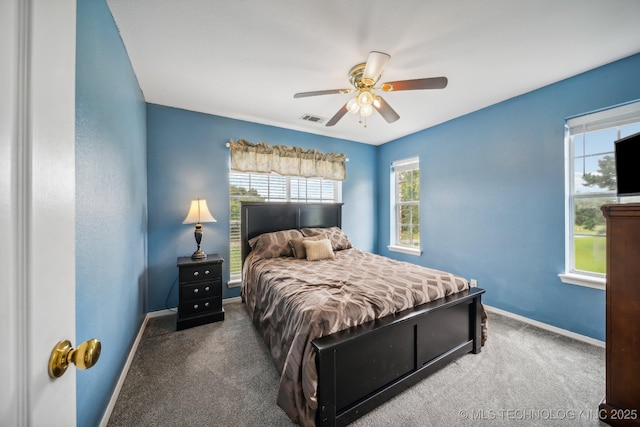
(356,79)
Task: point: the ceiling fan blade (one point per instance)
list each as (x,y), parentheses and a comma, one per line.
(321,92)
(428,83)
(374,66)
(385,110)
(336,118)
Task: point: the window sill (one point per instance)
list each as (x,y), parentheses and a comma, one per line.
(235,283)
(583,280)
(405,250)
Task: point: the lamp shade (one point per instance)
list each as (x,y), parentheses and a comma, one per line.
(198,213)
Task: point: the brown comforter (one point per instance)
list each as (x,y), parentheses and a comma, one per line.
(294,301)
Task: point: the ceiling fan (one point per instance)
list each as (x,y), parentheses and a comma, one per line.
(364,77)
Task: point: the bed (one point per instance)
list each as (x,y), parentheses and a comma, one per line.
(372,345)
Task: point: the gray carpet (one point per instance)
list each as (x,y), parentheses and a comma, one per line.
(221,374)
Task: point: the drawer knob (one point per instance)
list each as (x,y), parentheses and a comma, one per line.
(206,304)
(195,273)
(206,272)
(207,289)
(195,291)
(195,306)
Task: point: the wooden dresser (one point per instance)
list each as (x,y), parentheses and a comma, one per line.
(621,404)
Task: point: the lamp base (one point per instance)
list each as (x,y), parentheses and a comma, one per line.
(199,254)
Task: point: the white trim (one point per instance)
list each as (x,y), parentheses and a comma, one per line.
(588,281)
(37,195)
(405,250)
(234,283)
(405,164)
(615,116)
(609,118)
(161,313)
(127,364)
(547,327)
(21,196)
(412,163)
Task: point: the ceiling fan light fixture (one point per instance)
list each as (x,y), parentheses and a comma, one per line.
(376,102)
(353,106)
(365,98)
(366,110)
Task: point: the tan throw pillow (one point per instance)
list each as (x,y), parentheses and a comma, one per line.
(318,249)
(298,248)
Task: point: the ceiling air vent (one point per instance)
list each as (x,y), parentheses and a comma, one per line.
(314,119)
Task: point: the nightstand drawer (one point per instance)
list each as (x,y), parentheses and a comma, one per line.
(200,272)
(200,306)
(200,290)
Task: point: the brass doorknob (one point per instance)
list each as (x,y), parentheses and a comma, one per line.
(84,357)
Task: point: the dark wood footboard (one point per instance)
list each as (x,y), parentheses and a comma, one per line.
(364,366)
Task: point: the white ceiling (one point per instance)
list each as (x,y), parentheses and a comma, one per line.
(244,59)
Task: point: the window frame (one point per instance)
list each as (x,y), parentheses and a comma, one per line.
(235,277)
(397,166)
(614,117)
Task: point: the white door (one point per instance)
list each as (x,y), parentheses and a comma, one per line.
(37,209)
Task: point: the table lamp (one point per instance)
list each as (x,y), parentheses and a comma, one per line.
(198,213)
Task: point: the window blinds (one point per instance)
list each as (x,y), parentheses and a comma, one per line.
(405,165)
(612,117)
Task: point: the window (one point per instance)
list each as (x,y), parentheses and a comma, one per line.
(405,206)
(245,186)
(591,182)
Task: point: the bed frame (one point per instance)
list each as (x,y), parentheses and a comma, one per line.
(361,367)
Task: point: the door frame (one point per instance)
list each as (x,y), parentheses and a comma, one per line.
(37,208)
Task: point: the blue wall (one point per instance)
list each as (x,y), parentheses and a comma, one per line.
(187,159)
(492,200)
(492,196)
(111,204)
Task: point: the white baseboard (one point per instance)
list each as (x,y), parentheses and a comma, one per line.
(545,326)
(127,365)
(161,313)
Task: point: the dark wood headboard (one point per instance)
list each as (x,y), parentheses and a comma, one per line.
(265,217)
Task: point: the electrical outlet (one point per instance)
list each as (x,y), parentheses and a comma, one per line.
(474,283)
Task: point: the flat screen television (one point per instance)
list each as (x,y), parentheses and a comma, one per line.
(627,152)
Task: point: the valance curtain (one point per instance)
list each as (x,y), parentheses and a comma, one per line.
(283,160)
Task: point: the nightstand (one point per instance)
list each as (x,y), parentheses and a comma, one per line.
(199,291)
